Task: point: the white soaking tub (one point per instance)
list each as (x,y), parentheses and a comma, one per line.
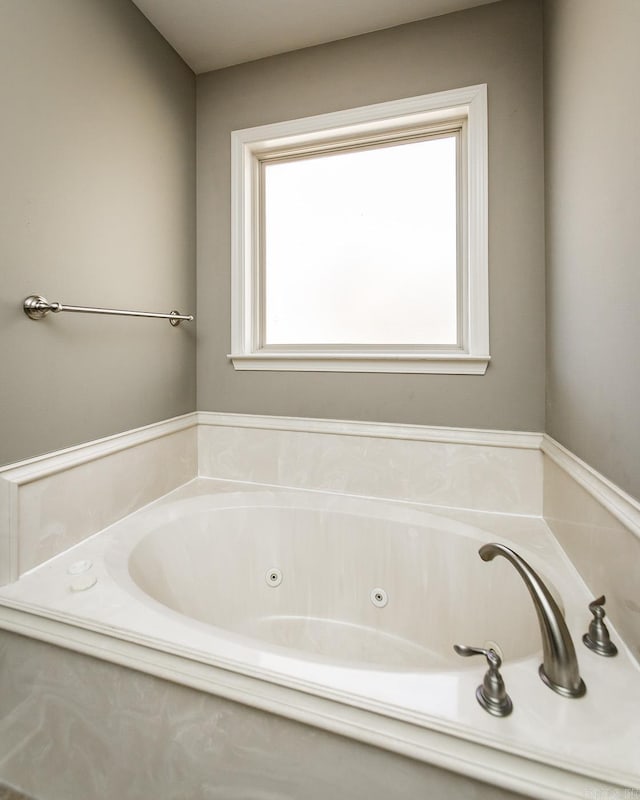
(342,612)
(391,593)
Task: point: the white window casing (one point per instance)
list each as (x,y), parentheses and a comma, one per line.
(463,110)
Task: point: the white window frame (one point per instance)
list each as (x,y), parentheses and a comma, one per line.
(466,108)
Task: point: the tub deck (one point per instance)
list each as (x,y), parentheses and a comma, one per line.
(550,747)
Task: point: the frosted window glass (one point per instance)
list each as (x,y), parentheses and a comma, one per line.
(360,247)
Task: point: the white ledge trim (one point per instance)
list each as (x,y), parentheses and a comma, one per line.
(309,361)
(379,430)
(32,469)
(623,507)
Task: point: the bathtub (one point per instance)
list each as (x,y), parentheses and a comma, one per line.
(342,612)
(334,585)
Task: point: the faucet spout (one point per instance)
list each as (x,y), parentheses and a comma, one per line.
(559,668)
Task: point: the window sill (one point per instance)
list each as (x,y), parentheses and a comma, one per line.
(435,364)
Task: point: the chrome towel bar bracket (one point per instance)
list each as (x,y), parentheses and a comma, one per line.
(36,307)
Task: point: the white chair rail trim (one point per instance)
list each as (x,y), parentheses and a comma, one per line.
(624,508)
(50,463)
(381,430)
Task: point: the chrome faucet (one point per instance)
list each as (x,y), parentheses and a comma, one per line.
(559,668)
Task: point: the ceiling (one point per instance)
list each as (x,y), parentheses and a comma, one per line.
(210,34)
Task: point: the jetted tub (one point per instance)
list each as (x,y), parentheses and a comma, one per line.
(342,612)
(350,588)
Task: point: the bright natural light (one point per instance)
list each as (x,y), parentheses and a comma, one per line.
(361,246)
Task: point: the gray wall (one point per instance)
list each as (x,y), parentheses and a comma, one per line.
(499,44)
(592,64)
(97,207)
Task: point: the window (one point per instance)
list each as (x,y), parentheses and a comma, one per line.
(359,239)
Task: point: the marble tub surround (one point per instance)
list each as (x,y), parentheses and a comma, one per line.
(460,468)
(9,793)
(513,487)
(550,747)
(49,503)
(124,734)
(604,549)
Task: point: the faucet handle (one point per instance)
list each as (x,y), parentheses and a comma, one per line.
(491,694)
(597,637)
(596,607)
(493,659)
